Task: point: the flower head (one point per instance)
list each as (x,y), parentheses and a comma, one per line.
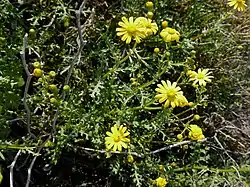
(130,29)
(160,182)
(240,5)
(171,94)
(149,26)
(168,35)
(201,77)
(195,133)
(117,138)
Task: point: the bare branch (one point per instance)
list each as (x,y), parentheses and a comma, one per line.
(29,77)
(31,166)
(12,167)
(22,53)
(76,58)
(105,151)
(174,145)
(216,139)
(137,154)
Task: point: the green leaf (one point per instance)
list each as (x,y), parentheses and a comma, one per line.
(1,155)
(1,176)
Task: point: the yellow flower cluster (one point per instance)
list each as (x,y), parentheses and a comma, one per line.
(170,94)
(201,77)
(117,138)
(136,29)
(143,27)
(240,5)
(195,133)
(160,182)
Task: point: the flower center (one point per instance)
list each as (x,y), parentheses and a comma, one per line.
(117,138)
(131,28)
(148,25)
(239,1)
(171,93)
(200,76)
(171,31)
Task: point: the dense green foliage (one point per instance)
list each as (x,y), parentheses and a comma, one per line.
(109,82)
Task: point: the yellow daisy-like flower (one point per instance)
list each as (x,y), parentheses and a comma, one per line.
(117,138)
(171,94)
(149,26)
(131,29)
(195,133)
(201,77)
(160,182)
(168,35)
(240,5)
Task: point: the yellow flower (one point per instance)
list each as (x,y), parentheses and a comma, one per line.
(130,29)
(240,5)
(117,138)
(148,25)
(168,35)
(161,182)
(171,94)
(195,133)
(201,77)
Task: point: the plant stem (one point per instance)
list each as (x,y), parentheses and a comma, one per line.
(246,169)
(119,62)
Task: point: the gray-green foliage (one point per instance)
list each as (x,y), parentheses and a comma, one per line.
(102,92)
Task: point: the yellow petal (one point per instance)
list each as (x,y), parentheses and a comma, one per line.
(115,147)
(119,147)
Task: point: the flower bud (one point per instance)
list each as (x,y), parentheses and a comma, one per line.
(66,88)
(156,50)
(37,72)
(164,24)
(52,74)
(37,65)
(196,117)
(53,88)
(53,100)
(149,4)
(179,136)
(130,159)
(150,15)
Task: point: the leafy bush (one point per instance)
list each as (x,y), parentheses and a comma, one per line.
(152,106)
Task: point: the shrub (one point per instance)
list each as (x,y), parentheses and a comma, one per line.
(130,95)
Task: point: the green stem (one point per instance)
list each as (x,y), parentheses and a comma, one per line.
(246,169)
(184,111)
(119,62)
(179,77)
(155,79)
(2,147)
